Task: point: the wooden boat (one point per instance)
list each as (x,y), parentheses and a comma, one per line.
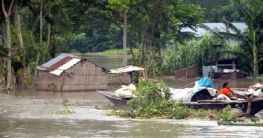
(257,103)
(201,96)
(120,103)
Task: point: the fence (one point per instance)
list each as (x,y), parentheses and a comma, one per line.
(190,72)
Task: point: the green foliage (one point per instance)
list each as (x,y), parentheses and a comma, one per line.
(227,115)
(212,10)
(119,4)
(193,52)
(153,100)
(245,64)
(3,50)
(250,11)
(227,12)
(118,113)
(51,85)
(66,111)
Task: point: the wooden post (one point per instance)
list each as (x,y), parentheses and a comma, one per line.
(249,100)
(234,68)
(130,73)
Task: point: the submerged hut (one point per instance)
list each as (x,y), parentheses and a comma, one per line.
(222,69)
(124,75)
(67,72)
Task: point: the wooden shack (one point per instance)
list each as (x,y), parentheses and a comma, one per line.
(124,75)
(222,69)
(67,72)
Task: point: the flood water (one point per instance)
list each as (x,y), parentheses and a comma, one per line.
(31,114)
(34,114)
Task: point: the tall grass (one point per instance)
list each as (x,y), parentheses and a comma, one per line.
(112,52)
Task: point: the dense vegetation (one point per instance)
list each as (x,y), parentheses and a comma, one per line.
(33,31)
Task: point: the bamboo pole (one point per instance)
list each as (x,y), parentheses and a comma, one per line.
(240,89)
(187,85)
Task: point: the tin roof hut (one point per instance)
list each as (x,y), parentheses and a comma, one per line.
(125,75)
(222,69)
(67,72)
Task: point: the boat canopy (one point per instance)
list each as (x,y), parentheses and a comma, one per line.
(205,82)
(203,90)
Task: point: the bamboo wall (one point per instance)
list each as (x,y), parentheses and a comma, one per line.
(82,76)
(190,72)
(122,80)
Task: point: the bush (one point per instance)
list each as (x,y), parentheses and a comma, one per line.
(227,115)
(154,100)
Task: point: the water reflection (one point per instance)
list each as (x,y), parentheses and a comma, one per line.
(125,128)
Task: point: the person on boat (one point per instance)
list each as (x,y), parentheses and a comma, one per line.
(226,93)
(256,90)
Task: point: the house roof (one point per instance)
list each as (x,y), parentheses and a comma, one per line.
(221,27)
(126,69)
(61,63)
(222,61)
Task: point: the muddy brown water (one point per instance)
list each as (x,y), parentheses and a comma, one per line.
(33,114)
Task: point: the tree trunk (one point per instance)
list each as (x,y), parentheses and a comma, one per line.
(21,43)
(7,15)
(152,54)
(40,34)
(9,63)
(142,45)
(255,55)
(131,50)
(49,31)
(125,37)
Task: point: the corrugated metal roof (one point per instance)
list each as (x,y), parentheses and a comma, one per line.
(126,69)
(53,63)
(61,63)
(65,66)
(221,27)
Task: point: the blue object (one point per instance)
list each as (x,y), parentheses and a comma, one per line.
(205,82)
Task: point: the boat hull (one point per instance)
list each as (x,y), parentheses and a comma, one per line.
(256,106)
(120,103)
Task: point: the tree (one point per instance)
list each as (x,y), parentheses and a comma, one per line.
(21,43)
(7,13)
(123,6)
(252,13)
(40,33)
(213,8)
(156,25)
